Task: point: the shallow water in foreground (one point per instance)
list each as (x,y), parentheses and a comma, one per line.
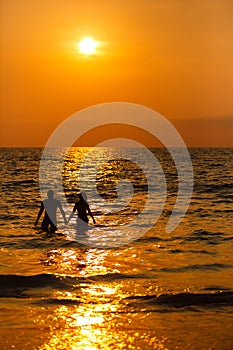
(162,291)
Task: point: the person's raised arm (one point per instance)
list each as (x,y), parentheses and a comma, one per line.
(72,214)
(63,213)
(39,213)
(90,213)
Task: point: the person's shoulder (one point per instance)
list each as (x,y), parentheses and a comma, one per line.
(57,202)
(51,200)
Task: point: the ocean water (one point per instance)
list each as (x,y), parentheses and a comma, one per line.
(160,291)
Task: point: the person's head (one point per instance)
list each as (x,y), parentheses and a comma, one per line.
(83,196)
(50,193)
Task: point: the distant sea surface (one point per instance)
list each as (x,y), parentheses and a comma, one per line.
(161,291)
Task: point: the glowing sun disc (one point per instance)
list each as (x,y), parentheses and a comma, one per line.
(87,46)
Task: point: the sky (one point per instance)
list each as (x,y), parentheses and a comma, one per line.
(174,56)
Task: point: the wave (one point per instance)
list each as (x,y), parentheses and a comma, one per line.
(203,235)
(11,282)
(9,217)
(214,188)
(192,251)
(185,299)
(223,201)
(207,233)
(58,301)
(14,285)
(203,267)
(20,182)
(18,286)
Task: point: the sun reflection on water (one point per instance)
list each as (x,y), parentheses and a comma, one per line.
(81,326)
(95,325)
(89,314)
(79,263)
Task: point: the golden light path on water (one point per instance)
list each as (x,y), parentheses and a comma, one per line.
(159,292)
(92,315)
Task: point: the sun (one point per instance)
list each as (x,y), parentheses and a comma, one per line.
(87,46)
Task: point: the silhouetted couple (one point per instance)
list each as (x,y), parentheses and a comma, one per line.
(50,206)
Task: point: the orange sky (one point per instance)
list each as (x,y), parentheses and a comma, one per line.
(174,56)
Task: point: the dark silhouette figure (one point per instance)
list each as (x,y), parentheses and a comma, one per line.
(83,209)
(50,205)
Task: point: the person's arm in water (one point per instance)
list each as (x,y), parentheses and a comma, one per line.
(63,213)
(72,214)
(90,213)
(39,213)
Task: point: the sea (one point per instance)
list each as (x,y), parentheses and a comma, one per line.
(123,283)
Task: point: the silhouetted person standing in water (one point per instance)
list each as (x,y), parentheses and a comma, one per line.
(50,205)
(83,209)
